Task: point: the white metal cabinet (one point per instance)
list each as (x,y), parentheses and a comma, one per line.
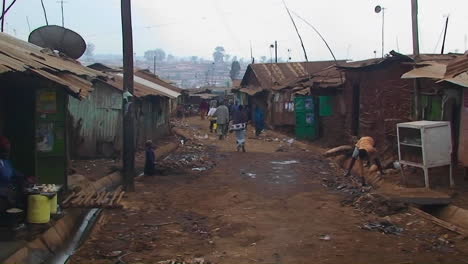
(425,144)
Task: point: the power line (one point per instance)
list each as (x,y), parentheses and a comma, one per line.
(45,12)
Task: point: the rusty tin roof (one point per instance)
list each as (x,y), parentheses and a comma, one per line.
(274,75)
(20,56)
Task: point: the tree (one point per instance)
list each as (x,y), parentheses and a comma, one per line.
(227,57)
(218,55)
(89,52)
(159,54)
(263,59)
(194,59)
(235,69)
(171,58)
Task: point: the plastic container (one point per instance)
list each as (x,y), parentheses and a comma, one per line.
(53,204)
(38,209)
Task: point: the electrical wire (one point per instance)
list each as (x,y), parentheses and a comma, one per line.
(45,13)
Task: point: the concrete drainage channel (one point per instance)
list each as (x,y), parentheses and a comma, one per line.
(62,255)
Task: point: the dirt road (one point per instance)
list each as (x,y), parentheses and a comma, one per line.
(262,206)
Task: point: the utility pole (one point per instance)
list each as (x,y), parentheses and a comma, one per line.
(3,13)
(383,32)
(154,65)
(276,51)
(128,118)
(414,18)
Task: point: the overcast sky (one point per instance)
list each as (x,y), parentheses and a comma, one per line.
(196,27)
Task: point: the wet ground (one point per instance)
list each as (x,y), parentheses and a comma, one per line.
(263,206)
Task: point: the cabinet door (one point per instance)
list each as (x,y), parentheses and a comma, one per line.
(437,145)
(50,136)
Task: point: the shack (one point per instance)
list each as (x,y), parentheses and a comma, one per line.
(36,85)
(97,122)
(262,83)
(444,97)
(325,88)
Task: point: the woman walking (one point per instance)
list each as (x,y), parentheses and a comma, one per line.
(239,126)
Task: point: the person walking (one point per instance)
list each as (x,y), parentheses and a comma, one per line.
(222,120)
(259,119)
(203,108)
(212,118)
(239,126)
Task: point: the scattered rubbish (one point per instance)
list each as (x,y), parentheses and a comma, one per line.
(286,162)
(290,141)
(199,169)
(325,237)
(181,261)
(112,254)
(251,175)
(384,226)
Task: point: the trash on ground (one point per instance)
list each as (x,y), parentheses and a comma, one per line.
(199,169)
(325,237)
(384,226)
(286,162)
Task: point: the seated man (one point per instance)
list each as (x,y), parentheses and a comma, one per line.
(365,150)
(11,182)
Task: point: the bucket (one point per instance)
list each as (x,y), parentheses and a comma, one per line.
(53,204)
(38,209)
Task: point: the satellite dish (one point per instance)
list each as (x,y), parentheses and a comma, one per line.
(59,38)
(377,9)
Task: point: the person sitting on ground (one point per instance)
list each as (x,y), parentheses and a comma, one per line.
(239,126)
(222,120)
(11,181)
(365,150)
(150,159)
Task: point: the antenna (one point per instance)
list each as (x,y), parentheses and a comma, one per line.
(445,35)
(5,11)
(377,10)
(29,25)
(61,7)
(251,53)
(59,38)
(297,31)
(45,12)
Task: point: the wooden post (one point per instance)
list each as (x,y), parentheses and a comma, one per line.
(276,51)
(3,13)
(128,108)
(414,18)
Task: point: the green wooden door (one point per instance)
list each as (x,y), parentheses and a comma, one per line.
(306,117)
(50,136)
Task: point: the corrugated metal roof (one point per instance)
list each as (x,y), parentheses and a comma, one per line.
(157,87)
(20,56)
(395,56)
(329,77)
(140,90)
(271,75)
(454,71)
(145,74)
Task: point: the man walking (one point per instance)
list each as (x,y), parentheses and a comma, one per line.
(222,120)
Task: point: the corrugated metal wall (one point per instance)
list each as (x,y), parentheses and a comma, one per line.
(97,123)
(152,118)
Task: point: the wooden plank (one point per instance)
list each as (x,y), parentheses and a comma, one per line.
(439,222)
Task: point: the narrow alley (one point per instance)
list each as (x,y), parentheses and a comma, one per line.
(272,204)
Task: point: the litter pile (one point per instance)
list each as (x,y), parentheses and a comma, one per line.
(190,261)
(377,204)
(361,197)
(383,226)
(194,156)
